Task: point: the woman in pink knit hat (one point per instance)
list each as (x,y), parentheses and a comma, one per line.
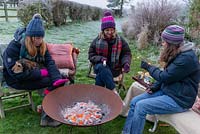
(109,53)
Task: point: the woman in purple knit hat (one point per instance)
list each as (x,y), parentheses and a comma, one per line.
(176,85)
(109,53)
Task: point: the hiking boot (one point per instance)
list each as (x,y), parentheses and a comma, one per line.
(53,123)
(47,121)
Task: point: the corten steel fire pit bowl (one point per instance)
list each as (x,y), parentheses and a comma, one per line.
(54,103)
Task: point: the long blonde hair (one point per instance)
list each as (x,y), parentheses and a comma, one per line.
(32,49)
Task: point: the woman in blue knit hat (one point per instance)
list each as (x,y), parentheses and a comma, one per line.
(109,53)
(28,44)
(176,85)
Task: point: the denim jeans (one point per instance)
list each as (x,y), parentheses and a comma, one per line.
(141,105)
(104,76)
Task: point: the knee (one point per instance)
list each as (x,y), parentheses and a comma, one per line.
(98,67)
(141,108)
(102,69)
(133,103)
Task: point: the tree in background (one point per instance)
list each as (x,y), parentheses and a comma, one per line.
(118,4)
(155,14)
(194,19)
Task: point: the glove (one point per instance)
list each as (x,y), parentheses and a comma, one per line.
(144,65)
(126,67)
(154,87)
(44,72)
(46,91)
(59,82)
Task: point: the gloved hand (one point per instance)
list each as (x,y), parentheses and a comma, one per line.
(153,88)
(46,91)
(144,65)
(126,67)
(44,72)
(60,82)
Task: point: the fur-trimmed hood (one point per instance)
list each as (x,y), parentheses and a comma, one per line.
(187,46)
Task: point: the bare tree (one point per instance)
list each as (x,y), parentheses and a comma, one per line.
(157,14)
(117,4)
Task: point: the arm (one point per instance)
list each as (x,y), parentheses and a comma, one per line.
(51,67)
(126,55)
(180,68)
(92,55)
(10,56)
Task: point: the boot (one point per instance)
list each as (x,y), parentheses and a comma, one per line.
(48,121)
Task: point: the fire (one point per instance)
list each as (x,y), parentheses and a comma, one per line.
(82,113)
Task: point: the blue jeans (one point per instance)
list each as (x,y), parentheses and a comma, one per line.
(141,105)
(104,76)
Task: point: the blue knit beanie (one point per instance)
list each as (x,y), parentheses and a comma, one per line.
(173,34)
(35,27)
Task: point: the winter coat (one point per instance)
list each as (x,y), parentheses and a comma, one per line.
(125,55)
(180,78)
(12,54)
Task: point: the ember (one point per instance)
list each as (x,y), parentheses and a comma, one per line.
(82,113)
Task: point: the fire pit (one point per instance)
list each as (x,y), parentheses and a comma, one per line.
(56,101)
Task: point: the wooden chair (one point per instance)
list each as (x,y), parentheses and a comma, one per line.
(119,80)
(7,92)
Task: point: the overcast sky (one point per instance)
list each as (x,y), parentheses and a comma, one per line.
(103,3)
(97,3)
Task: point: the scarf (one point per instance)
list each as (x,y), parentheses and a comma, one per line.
(102,49)
(24,54)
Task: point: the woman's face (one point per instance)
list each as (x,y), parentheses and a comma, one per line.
(37,41)
(109,32)
(164,44)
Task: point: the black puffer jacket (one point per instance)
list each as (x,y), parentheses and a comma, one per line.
(12,54)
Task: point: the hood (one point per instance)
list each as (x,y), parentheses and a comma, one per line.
(19,34)
(187,46)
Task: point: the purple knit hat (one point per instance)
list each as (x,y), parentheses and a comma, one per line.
(107,21)
(173,34)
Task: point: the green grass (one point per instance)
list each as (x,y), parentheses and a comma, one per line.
(25,121)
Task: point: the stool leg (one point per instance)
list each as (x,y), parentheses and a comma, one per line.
(30,99)
(2,114)
(155,125)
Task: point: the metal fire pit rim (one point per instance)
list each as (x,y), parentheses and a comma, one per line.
(77,85)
